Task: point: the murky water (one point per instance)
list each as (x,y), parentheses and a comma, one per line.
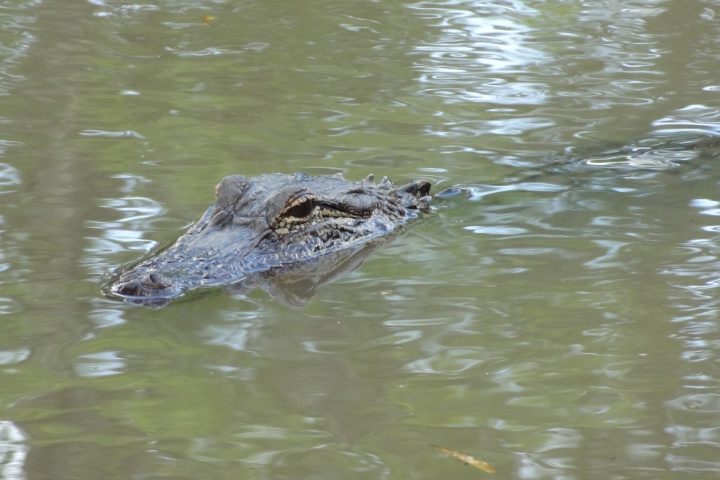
(558,318)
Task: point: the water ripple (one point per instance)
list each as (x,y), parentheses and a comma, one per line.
(9,178)
(13,451)
(693,119)
(8,305)
(124,9)
(111,134)
(100,364)
(511,58)
(126,233)
(12,357)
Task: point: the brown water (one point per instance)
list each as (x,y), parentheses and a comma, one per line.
(559,320)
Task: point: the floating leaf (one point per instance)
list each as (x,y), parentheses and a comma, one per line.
(207,19)
(465,458)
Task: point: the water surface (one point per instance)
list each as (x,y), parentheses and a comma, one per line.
(558,318)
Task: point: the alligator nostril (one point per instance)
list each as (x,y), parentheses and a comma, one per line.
(146,285)
(154,280)
(130,288)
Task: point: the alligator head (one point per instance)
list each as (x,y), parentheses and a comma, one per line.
(269,222)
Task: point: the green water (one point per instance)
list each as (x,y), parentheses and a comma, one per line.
(558,320)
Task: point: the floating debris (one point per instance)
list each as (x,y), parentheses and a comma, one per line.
(207,19)
(467,459)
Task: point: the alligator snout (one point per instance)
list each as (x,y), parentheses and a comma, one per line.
(145,285)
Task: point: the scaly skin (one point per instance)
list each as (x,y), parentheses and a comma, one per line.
(270,222)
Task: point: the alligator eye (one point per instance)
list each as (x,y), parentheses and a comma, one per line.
(302,209)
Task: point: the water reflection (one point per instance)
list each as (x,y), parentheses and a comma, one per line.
(689,121)
(297,284)
(478,41)
(9,176)
(695,282)
(13,451)
(124,9)
(12,357)
(111,134)
(100,364)
(126,233)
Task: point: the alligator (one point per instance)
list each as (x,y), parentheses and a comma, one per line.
(288,233)
(270,223)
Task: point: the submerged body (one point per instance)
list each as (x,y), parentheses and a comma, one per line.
(271,222)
